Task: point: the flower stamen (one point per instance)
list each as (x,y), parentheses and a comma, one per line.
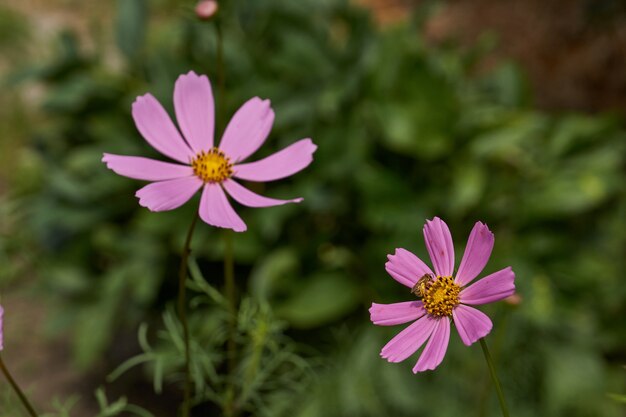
(212,166)
(441,296)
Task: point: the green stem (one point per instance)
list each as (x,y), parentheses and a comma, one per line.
(497,347)
(182,313)
(17,389)
(494,377)
(231,296)
(229,272)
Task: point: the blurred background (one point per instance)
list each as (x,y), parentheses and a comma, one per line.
(507,112)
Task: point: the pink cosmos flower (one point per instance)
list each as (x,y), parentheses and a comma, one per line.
(1,337)
(442,297)
(202,165)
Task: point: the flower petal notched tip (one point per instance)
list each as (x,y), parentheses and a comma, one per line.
(397,313)
(405,267)
(492,288)
(169,194)
(142,99)
(106,159)
(312,147)
(284,163)
(143,202)
(192,74)
(193,77)
(264,103)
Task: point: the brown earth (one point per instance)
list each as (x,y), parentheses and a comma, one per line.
(40,364)
(572,50)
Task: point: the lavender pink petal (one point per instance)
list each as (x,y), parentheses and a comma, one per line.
(477,253)
(195,113)
(217,211)
(250,199)
(440,247)
(409,340)
(283,163)
(494,287)
(157,128)
(398,313)
(169,194)
(435,349)
(406,268)
(145,169)
(471,324)
(248,129)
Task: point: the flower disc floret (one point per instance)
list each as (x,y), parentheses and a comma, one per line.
(441,296)
(212,166)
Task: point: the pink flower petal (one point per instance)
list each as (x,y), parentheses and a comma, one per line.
(282,164)
(406,268)
(398,313)
(471,324)
(435,349)
(248,129)
(409,340)
(250,199)
(440,247)
(157,128)
(477,253)
(217,211)
(1,328)
(193,102)
(491,288)
(169,194)
(144,168)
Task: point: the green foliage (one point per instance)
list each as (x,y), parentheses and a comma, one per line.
(406,131)
(14,32)
(269,374)
(12,407)
(121,407)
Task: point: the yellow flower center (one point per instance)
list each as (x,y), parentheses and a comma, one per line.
(212,166)
(441,296)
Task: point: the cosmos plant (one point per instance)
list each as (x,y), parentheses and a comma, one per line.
(203,165)
(442,297)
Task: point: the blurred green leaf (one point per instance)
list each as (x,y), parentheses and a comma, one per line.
(131,27)
(320,299)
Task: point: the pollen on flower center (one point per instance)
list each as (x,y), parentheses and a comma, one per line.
(212,166)
(441,296)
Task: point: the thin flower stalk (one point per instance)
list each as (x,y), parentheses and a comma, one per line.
(182,313)
(5,371)
(494,377)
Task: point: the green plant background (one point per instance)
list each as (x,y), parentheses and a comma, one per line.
(406,131)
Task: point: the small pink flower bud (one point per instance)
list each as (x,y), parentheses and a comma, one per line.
(206,9)
(513,300)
